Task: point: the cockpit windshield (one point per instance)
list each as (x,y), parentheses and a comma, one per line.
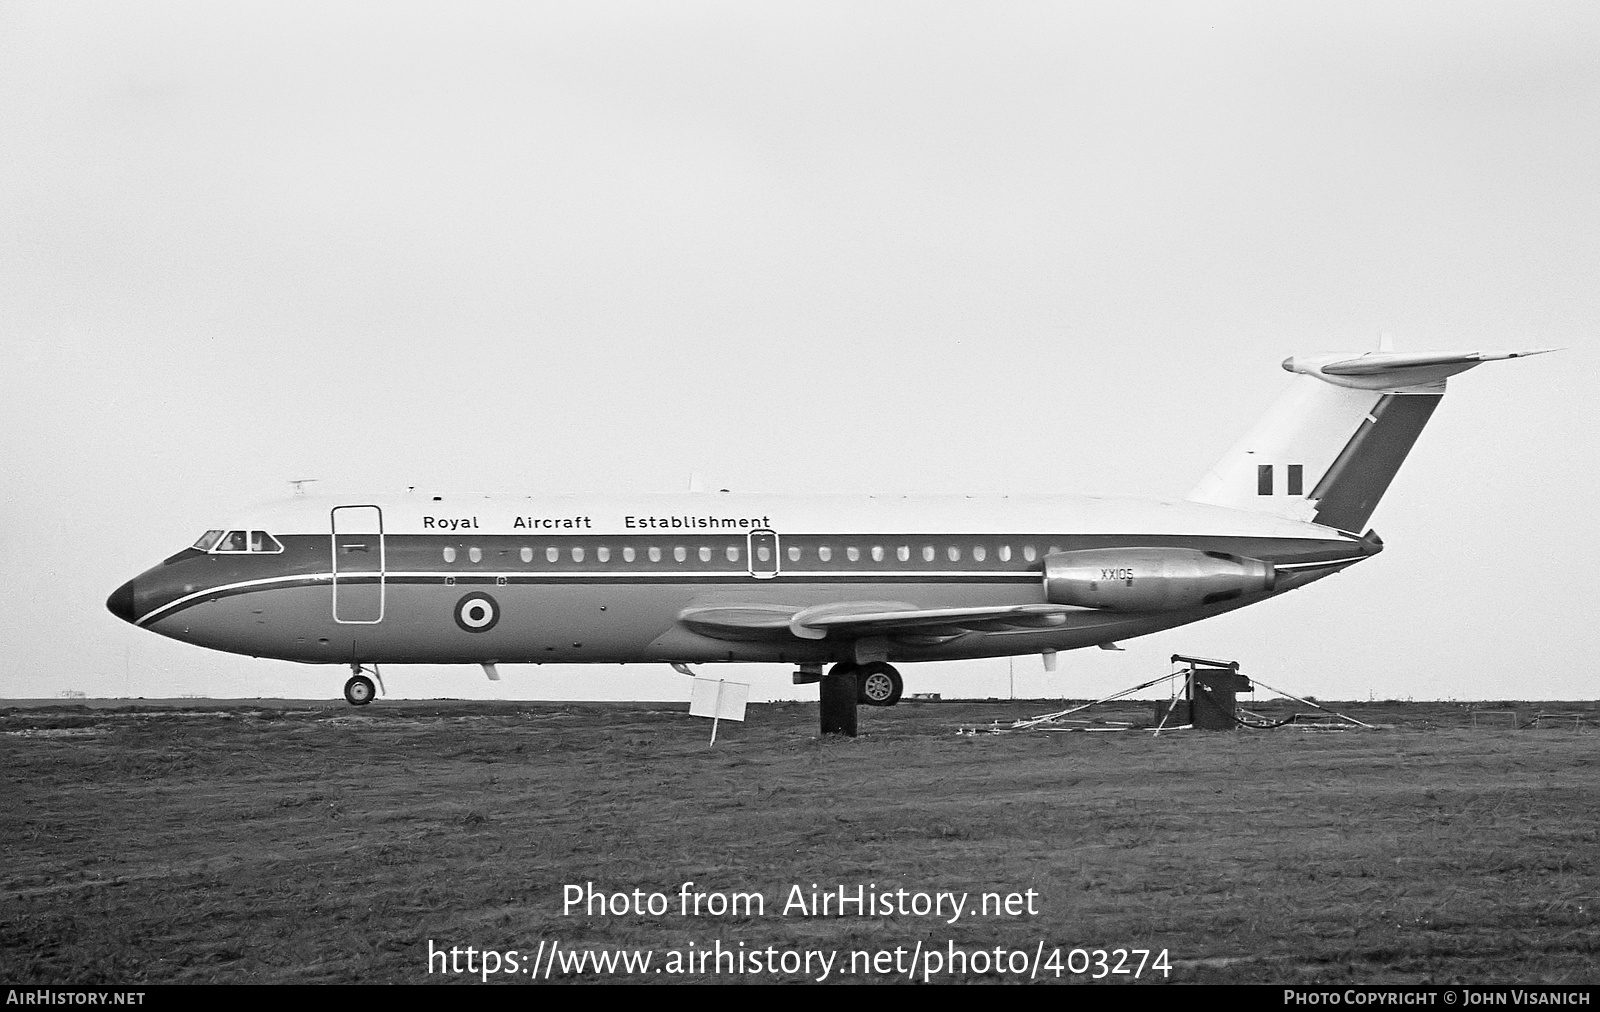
(239,542)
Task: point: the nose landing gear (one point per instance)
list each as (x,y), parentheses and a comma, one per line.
(359,690)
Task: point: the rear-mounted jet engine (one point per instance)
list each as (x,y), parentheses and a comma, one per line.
(1152,579)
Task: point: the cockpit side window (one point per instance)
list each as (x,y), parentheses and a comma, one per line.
(208,539)
(233,541)
(261,541)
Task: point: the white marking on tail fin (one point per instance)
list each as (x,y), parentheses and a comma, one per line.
(1309,425)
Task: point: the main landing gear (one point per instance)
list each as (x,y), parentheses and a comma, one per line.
(879,684)
(359,690)
(849,685)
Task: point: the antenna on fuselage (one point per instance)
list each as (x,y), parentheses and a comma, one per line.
(300,484)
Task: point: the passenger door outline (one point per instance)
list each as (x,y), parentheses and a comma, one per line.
(351,542)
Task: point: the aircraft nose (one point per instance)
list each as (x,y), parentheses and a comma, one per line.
(120,603)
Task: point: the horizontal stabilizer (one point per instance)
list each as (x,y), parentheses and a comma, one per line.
(1400,372)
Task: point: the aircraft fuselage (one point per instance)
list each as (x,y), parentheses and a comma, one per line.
(693,578)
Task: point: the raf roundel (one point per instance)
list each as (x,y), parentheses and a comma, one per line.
(477,613)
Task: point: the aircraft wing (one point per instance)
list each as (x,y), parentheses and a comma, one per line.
(866,618)
(742,622)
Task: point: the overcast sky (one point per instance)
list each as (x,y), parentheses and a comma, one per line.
(804,247)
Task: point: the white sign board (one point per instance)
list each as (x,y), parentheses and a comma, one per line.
(718,700)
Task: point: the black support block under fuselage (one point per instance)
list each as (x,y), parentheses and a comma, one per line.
(838,696)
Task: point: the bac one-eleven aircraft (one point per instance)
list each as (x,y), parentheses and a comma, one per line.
(856,582)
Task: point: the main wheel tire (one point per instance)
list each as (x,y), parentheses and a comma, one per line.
(359,690)
(879,684)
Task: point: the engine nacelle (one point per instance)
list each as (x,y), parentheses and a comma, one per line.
(1152,579)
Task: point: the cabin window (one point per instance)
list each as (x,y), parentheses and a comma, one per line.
(208,539)
(1005,553)
(853,554)
(1297,477)
(733,553)
(927,553)
(794,554)
(877,553)
(704,553)
(1053,550)
(1263,479)
(679,553)
(655,553)
(449,555)
(825,553)
(953,553)
(979,553)
(475,554)
(903,553)
(1028,553)
(764,553)
(577,555)
(628,554)
(552,554)
(526,553)
(603,553)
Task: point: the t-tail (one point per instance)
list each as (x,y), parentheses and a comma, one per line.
(1327,450)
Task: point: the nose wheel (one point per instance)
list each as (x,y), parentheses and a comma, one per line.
(359,690)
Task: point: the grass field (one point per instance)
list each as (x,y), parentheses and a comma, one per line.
(318,843)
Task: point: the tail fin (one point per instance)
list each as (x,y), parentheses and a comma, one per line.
(1327,450)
